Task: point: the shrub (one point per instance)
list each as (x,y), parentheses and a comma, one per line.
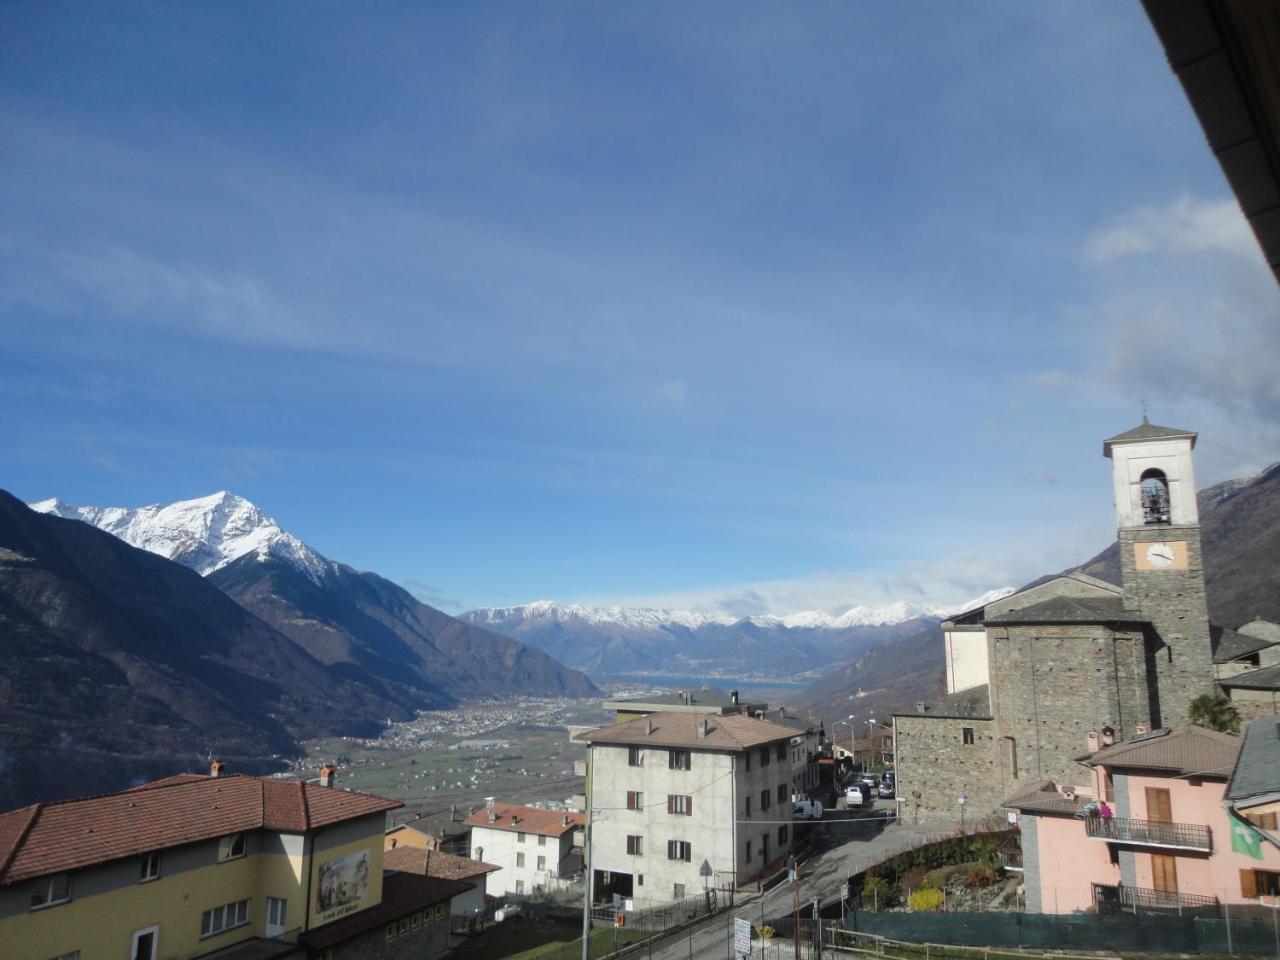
(765,932)
(925,899)
(875,890)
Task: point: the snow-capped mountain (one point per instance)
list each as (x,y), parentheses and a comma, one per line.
(624,640)
(204,534)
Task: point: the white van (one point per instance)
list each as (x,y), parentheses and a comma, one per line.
(806,810)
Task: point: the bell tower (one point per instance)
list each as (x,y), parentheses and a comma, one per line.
(1162,568)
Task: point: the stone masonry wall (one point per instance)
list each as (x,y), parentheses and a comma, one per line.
(1174,602)
(1052,684)
(933,760)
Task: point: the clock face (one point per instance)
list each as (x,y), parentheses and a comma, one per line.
(1160,555)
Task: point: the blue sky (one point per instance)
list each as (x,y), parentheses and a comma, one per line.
(743,306)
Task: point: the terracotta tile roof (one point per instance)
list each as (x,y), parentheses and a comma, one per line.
(734,733)
(435,863)
(512,816)
(402,894)
(1190,751)
(53,837)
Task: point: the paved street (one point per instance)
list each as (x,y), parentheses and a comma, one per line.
(846,844)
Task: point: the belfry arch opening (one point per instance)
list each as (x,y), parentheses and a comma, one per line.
(1154,488)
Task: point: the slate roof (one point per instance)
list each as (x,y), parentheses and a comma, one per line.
(1261,629)
(1071,610)
(734,733)
(971,704)
(435,863)
(1257,770)
(520,819)
(1043,796)
(1229,645)
(1268,678)
(1188,751)
(402,894)
(48,838)
(1146,431)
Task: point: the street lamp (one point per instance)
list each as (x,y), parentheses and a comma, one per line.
(848,722)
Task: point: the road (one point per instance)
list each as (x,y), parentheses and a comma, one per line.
(846,843)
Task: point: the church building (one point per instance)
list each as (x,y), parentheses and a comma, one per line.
(1054,671)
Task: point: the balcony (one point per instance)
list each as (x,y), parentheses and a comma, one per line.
(1121,899)
(1150,833)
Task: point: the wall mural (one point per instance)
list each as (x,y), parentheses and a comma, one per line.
(343,881)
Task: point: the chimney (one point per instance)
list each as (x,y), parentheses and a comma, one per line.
(216,768)
(492,811)
(453,813)
(733,696)
(702,728)
(1140,728)
(648,726)
(1091,738)
(327,774)
(565,822)
(1108,736)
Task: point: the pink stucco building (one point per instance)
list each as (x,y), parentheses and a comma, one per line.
(1177,838)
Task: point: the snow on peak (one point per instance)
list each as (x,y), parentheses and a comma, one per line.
(991,596)
(548,611)
(205,534)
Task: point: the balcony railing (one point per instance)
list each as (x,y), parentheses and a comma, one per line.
(1150,833)
(1120,898)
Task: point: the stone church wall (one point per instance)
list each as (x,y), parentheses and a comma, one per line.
(933,760)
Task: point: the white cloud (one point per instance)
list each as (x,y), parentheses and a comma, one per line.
(673,393)
(1185,226)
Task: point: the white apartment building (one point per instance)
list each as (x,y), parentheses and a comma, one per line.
(679,802)
(533,847)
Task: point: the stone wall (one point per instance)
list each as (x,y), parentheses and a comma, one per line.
(1253,704)
(934,761)
(1174,602)
(1052,684)
(427,938)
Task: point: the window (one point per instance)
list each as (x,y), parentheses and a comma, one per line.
(680,803)
(391,931)
(1155,497)
(1267,821)
(635,756)
(639,879)
(782,835)
(520,837)
(231,848)
(764,756)
(635,799)
(51,890)
(782,751)
(679,850)
(404,926)
(426,917)
(542,863)
(276,908)
(415,921)
(542,841)
(746,757)
(520,859)
(150,867)
(677,891)
(439,911)
(679,760)
(748,813)
(764,799)
(635,844)
(519,886)
(782,793)
(966,734)
(748,849)
(225,917)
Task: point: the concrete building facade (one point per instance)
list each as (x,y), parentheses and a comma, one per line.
(681,802)
(534,848)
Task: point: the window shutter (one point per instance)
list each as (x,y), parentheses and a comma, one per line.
(671,851)
(688,806)
(671,803)
(1248,884)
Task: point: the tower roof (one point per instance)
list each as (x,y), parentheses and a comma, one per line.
(1147,431)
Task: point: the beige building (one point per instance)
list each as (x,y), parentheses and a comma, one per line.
(192,865)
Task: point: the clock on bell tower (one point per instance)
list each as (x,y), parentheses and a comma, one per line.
(1162,572)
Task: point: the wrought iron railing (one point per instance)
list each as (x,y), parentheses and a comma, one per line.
(1153,833)
(1111,899)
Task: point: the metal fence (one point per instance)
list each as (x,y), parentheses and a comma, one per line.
(1148,933)
(1155,833)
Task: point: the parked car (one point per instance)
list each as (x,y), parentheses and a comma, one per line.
(857,793)
(870,779)
(885,789)
(806,810)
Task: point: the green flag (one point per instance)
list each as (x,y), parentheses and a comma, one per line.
(1245,839)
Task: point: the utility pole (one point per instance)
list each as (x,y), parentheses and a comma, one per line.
(795,917)
(586,886)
